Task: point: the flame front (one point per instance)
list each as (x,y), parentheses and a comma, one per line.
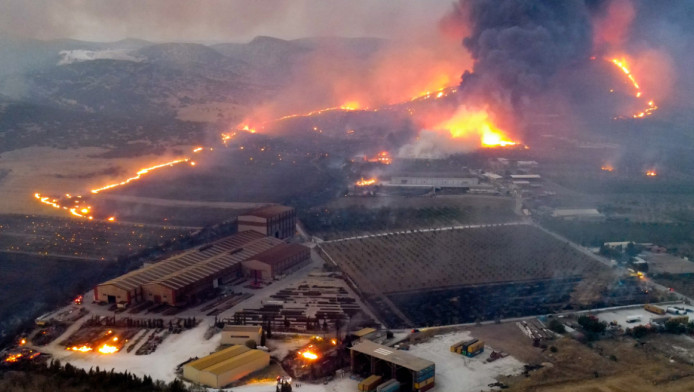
(139,174)
(651,106)
(466,124)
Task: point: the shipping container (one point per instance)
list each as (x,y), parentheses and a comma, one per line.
(475,349)
(370,383)
(391,385)
(422,384)
(654,309)
(679,319)
(427,387)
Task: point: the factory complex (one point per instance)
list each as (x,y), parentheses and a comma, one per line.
(183,278)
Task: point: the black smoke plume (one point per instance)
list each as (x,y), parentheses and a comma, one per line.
(518,45)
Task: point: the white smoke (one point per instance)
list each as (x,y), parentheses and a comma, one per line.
(80,55)
(434,144)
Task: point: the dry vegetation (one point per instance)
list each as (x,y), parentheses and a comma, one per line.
(609,366)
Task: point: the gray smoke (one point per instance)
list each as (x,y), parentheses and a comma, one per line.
(518,45)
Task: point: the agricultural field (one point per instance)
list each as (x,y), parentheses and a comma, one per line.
(31,284)
(351,216)
(450,258)
(80,238)
(450,276)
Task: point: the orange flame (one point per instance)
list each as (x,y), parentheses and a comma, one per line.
(467,124)
(607,167)
(108,349)
(651,106)
(13,357)
(309,355)
(83,348)
(139,175)
(651,173)
(366,182)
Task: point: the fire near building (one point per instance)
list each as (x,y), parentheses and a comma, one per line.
(384,363)
(225,366)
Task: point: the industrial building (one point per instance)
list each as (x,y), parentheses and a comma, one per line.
(180,279)
(279,260)
(413,373)
(578,214)
(433,182)
(273,221)
(526,177)
(240,334)
(225,366)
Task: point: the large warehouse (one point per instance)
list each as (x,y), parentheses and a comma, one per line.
(282,259)
(179,279)
(225,366)
(413,373)
(273,221)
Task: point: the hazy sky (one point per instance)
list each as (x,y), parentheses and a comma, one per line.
(216,20)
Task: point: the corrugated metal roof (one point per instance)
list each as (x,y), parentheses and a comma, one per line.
(194,273)
(280,253)
(138,278)
(243,328)
(218,357)
(392,355)
(234,362)
(268,212)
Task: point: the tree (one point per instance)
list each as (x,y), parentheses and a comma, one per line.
(250,343)
(556,326)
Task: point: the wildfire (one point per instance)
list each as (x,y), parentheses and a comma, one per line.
(382,157)
(140,173)
(651,173)
(651,106)
(13,357)
(468,124)
(366,182)
(607,167)
(436,94)
(247,128)
(494,137)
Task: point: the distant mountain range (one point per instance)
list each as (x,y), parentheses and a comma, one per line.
(77,80)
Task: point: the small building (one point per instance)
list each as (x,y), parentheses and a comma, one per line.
(282,259)
(413,373)
(273,221)
(526,177)
(240,334)
(433,182)
(225,366)
(578,214)
(364,334)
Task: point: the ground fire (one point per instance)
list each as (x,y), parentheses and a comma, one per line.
(651,107)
